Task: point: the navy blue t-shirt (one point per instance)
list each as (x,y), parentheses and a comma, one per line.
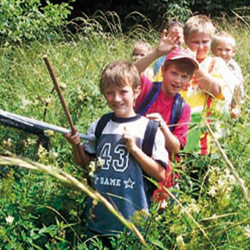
(120,178)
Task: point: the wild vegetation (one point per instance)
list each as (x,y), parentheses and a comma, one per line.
(40,211)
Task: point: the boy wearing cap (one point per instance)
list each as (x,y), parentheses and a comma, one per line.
(177,71)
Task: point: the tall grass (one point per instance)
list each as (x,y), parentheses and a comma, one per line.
(211,213)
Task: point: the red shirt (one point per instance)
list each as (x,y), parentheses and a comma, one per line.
(163,105)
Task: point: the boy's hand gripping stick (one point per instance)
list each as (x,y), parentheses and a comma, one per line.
(59,92)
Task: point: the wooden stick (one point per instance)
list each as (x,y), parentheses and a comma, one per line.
(59,92)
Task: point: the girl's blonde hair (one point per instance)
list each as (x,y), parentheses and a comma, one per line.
(119,74)
(221,36)
(141,44)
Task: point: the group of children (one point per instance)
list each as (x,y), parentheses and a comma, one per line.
(188,87)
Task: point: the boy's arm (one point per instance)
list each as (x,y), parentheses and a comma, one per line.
(149,165)
(172,143)
(208,82)
(165,45)
(79,155)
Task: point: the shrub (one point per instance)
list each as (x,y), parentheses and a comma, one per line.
(215,8)
(27,20)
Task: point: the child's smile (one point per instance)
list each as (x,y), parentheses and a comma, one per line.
(120,100)
(174,80)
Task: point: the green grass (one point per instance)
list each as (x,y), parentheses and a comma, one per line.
(48,214)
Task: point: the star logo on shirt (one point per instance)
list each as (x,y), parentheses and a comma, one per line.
(129,183)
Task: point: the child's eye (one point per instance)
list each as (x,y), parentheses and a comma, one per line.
(185,77)
(109,93)
(195,43)
(198,43)
(139,54)
(174,73)
(123,92)
(205,42)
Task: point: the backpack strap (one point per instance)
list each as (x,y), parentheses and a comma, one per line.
(102,123)
(176,111)
(149,99)
(149,137)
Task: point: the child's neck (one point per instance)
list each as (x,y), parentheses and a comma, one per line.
(125,115)
(166,93)
(201,60)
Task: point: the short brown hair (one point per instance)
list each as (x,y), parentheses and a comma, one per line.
(174,24)
(182,64)
(119,74)
(198,24)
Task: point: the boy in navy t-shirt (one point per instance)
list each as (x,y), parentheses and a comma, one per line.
(124,165)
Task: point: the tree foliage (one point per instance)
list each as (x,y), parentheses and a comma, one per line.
(215,8)
(27,20)
(159,12)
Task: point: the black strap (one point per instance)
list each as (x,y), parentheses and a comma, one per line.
(43,140)
(177,110)
(149,99)
(149,137)
(102,123)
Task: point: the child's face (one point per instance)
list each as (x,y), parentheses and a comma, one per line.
(199,43)
(121,100)
(224,49)
(139,53)
(179,31)
(174,80)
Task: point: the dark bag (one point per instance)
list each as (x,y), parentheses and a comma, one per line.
(177,109)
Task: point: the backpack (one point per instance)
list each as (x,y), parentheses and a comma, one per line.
(151,97)
(149,135)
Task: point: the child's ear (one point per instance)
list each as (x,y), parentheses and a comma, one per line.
(137,92)
(234,51)
(162,69)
